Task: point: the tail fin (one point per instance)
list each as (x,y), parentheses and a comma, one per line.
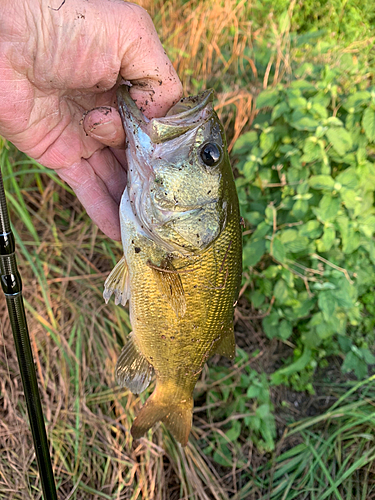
(175,413)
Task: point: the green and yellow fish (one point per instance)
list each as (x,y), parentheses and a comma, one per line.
(182,261)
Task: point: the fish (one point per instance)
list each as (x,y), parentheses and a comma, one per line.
(182,263)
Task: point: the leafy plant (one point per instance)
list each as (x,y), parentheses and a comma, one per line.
(306,187)
(239,404)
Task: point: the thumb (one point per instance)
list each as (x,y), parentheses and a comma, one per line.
(144,62)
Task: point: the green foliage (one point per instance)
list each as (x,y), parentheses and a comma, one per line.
(306,188)
(346,20)
(239,403)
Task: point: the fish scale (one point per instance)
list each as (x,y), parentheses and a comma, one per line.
(182,262)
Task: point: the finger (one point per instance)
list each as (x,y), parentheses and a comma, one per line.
(104,124)
(156,86)
(110,171)
(94,196)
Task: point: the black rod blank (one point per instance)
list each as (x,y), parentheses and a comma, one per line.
(12,287)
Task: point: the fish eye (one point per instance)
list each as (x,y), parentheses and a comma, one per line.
(210,154)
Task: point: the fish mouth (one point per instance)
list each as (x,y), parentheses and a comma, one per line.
(187,114)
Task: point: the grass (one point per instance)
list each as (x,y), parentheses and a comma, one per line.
(238,48)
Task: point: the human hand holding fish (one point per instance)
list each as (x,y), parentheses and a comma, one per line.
(58,60)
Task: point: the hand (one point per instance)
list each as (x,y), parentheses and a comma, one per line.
(59,59)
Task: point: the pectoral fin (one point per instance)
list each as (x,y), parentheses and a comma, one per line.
(132,369)
(226,346)
(170,286)
(118,283)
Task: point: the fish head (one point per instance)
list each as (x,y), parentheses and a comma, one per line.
(178,171)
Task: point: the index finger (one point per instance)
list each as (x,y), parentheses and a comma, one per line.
(155,84)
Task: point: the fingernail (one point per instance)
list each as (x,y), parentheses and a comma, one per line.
(105,130)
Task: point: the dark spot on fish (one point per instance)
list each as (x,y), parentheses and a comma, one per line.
(191,162)
(160,82)
(208,192)
(132,242)
(146,102)
(137,249)
(163,336)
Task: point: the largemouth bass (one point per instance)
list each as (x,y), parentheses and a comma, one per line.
(181,270)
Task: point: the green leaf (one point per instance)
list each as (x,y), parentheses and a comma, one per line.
(257,298)
(245,142)
(312,229)
(253,252)
(312,151)
(267,140)
(348,178)
(328,208)
(356,100)
(353,363)
(340,139)
(278,250)
(300,208)
(234,431)
(278,376)
(303,121)
(321,182)
(249,170)
(326,242)
(288,235)
(261,231)
(281,292)
(327,303)
(279,110)
(267,98)
(297,102)
(270,324)
(368,356)
(285,329)
(253,392)
(368,124)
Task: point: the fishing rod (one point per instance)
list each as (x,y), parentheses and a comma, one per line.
(12,287)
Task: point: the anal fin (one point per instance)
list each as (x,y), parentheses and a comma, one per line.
(132,369)
(226,346)
(170,285)
(118,283)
